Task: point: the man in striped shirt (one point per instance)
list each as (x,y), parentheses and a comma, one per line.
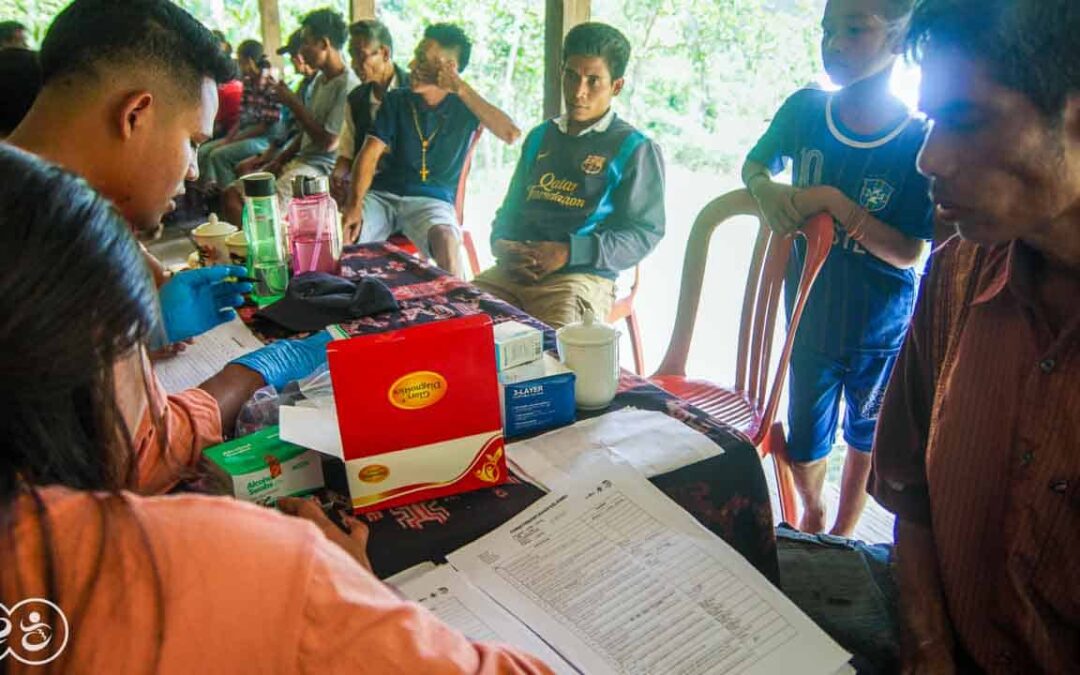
(978,443)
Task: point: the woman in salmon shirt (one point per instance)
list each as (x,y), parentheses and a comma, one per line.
(182,584)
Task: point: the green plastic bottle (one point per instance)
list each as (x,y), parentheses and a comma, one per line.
(267,261)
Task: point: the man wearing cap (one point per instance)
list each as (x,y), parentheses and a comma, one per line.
(302,67)
(427,131)
(372,51)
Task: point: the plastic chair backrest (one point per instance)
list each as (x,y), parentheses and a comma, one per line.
(755,349)
(459,199)
(459,205)
(761,299)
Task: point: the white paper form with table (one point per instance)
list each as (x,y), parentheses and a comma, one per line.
(210,353)
(618,579)
(450,595)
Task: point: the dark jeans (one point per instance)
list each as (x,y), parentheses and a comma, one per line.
(847,588)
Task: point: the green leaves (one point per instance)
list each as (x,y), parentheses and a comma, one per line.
(706,75)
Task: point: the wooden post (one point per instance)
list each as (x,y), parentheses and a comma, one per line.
(559,17)
(362,9)
(270,22)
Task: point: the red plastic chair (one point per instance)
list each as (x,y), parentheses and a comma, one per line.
(751,405)
(403,242)
(624,309)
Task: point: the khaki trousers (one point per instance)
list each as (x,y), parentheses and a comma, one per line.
(557,300)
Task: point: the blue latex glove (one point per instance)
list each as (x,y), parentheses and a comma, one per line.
(195,301)
(284,361)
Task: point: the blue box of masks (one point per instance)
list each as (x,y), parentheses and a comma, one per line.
(536,397)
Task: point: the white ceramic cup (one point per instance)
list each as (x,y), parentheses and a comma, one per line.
(238,246)
(591,350)
(210,237)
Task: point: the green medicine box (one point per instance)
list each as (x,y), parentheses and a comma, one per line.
(261,467)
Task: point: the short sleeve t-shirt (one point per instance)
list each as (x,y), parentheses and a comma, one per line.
(327,105)
(448,128)
(859,303)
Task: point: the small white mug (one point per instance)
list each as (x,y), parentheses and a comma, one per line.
(591,350)
(210,238)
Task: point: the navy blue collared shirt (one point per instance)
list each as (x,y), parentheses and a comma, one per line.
(449,127)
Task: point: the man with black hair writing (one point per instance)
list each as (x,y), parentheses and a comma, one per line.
(134,134)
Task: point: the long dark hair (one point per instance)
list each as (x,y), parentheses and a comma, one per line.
(75,299)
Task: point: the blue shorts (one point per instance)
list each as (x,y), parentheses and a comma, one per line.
(817,382)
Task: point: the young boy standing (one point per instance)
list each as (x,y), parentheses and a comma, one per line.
(587,197)
(853,154)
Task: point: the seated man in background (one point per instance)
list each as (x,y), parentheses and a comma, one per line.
(13,34)
(587,197)
(230,92)
(230,98)
(978,444)
(372,51)
(259,112)
(427,130)
(286,135)
(20,80)
(305,70)
(324,33)
(132,133)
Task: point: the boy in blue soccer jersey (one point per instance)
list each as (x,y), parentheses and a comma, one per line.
(587,197)
(853,154)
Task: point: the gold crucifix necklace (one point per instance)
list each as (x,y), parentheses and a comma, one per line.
(425,143)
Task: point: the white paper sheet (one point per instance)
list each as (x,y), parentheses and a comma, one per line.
(211,351)
(651,442)
(314,427)
(621,580)
(409,574)
(449,595)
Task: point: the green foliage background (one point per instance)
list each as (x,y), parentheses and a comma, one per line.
(704,77)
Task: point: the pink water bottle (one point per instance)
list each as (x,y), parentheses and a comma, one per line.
(314,227)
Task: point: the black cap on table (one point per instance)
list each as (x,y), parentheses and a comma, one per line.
(316,300)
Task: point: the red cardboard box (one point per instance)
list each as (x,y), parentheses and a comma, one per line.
(418,411)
